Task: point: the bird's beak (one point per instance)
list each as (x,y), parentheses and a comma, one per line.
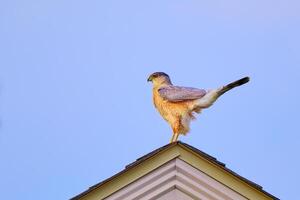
(150,78)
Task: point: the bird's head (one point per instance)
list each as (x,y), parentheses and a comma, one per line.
(159,78)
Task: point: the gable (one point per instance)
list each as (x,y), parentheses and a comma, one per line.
(180,152)
(179,180)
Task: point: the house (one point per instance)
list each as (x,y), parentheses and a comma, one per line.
(176,171)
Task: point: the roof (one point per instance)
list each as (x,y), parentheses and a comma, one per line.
(152,154)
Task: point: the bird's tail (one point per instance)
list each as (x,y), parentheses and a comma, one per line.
(213,95)
(233,85)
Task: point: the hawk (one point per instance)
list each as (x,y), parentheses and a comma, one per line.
(177,105)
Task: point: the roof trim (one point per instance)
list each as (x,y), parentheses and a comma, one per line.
(208,164)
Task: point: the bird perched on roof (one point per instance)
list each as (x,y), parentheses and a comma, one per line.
(177,105)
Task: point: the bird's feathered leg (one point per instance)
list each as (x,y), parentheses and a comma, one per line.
(176,129)
(172,139)
(176,137)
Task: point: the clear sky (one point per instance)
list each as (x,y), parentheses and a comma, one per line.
(75,106)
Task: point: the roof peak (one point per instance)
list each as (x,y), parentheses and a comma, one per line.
(166,149)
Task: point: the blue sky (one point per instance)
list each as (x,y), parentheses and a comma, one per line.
(75,106)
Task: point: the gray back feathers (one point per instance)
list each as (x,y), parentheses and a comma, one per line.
(176,93)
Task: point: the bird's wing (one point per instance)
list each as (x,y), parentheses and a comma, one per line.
(176,93)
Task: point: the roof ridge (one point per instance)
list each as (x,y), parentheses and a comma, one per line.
(160,149)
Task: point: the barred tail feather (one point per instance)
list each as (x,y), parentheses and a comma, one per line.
(233,85)
(212,95)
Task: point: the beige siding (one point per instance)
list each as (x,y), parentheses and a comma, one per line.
(176,180)
(176,195)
